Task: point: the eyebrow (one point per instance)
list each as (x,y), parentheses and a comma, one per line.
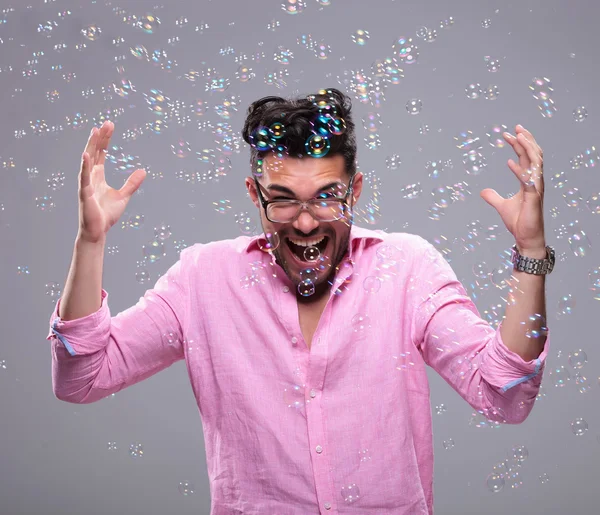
(283,189)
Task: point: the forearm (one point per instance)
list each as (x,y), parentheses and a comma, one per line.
(527,297)
(82,295)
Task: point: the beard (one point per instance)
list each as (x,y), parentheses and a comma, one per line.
(325,277)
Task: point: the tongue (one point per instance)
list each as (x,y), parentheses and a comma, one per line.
(298,250)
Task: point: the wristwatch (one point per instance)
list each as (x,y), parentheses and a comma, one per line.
(532,265)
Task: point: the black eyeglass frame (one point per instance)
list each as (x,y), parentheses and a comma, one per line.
(303,205)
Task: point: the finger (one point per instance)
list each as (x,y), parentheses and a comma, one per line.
(519,149)
(101,152)
(84,174)
(523,175)
(532,153)
(522,130)
(91,144)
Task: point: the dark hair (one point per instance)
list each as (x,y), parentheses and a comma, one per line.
(318,125)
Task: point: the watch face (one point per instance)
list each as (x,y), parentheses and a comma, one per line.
(513,256)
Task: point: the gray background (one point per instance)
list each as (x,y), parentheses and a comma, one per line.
(54,456)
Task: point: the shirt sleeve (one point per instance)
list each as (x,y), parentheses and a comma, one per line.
(465,349)
(97,355)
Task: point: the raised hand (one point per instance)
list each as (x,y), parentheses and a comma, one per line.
(100,206)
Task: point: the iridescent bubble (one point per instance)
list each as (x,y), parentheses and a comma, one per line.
(547,108)
(577,359)
(136,450)
(317,146)
(448,444)
(162,232)
(293,6)
(361,322)
(311,253)
(186,488)
(139,52)
(123,88)
(495,482)
(45,203)
(91,32)
(154,251)
(421,32)
(260,139)
(306,288)
(572,197)
(495,135)
(360,37)
(336,126)
(277,130)
(594,278)
(541,88)
(372,284)
(405,50)
(559,376)
(473,91)
(283,55)
(272,242)
(393,162)
(414,106)
(579,427)
(520,453)
(431,36)
(493,65)
(181,148)
(200,107)
(580,113)
(309,273)
(372,122)
(350,493)
(373,141)
(52,96)
(322,50)
(491,92)
(157,102)
(148,23)
(244,73)
(133,221)
(77,121)
(474,162)
(222,206)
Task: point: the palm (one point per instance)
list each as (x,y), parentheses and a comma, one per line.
(100,205)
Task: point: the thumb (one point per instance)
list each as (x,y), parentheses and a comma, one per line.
(491,197)
(133,182)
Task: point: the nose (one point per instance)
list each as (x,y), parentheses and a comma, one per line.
(305,222)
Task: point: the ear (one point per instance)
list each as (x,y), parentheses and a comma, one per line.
(251,187)
(357,185)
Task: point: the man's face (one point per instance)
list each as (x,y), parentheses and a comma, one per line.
(303,179)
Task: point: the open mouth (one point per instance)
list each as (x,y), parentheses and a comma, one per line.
(299,251)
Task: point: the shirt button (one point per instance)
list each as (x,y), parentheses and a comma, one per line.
(319,449)
(313,393)
(294,339)
(327,505)
(285,289)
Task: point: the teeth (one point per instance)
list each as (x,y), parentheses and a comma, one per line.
(307,243)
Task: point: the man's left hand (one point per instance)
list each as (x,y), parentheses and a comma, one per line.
(523,213)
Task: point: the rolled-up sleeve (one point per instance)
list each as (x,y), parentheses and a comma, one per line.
(97,355)
(466,350)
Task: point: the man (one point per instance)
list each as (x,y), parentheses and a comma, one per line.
(307,345)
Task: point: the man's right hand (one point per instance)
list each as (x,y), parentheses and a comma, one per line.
(100,206)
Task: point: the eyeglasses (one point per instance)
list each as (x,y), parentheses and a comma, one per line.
(324,208)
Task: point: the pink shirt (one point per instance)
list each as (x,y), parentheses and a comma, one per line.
(344,427)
